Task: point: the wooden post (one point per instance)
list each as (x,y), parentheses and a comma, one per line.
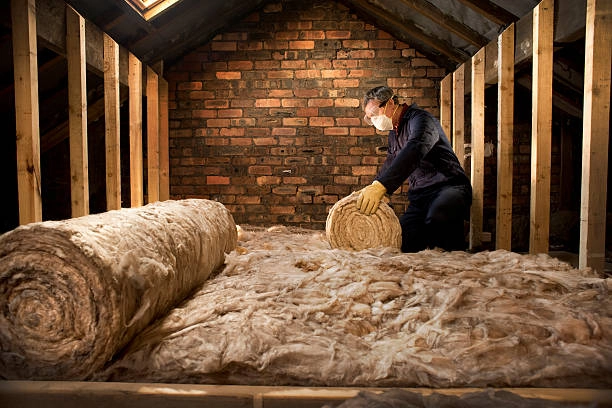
(112,123)
(505,130)
(541,126)
(445,105)
(77,112)
(459,114)
(477,165)
(136,169)
(152,136)
(23,19)
(596,127)
(164,146)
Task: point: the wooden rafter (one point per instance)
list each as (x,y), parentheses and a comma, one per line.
(399,26)
(491,11)
(447,22)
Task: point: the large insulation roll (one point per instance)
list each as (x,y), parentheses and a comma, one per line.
(74,292)
(347,228)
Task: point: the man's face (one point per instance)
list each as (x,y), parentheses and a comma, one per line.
(375,108)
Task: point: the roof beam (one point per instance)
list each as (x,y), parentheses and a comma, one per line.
(447,22)
(491,11)
(397,26)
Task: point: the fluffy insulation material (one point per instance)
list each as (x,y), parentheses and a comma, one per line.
(289,310)
(74,292)
(347,228)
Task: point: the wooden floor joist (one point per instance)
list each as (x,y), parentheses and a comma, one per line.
(91,394)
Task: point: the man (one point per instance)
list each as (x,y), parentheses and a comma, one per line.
(440,193)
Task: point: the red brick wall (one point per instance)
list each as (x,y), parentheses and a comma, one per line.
(266,118)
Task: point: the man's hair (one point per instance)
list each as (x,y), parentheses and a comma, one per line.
(381,94)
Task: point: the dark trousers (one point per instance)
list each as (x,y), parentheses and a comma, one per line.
(436,219)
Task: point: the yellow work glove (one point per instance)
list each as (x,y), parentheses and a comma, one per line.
(370,197)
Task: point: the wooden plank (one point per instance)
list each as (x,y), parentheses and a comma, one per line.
(477,137)
(77,113)
(164,142)
(459,114)
(446,116)
(505,132)
(152,136)
(596,128)
(23,20)
(447,22)
(51,29)
(491,11)
(112,123)
(135,107)
(541,126)
(69,394)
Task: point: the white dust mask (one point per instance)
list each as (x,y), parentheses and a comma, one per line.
(382,122)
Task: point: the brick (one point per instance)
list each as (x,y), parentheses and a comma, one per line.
(321,102)
(268,180)
(356,121)
(267,103)
(295,121)
(267,65)
(299,25)
(293,64)
(230,113)
(400,82)
(260,170)
(228,75)
(301,45)
(337,34)
(241,141)
(362,54)
(306,93)
(189,86)
(358,44)
(284,190)
(333,73)
(283,132)
(241,199)
(347,103)
(250,46)
(201,95)
(280,74)
(346,180)
(312,35)
(221,180)
(321,121)
(231,132)
(388,53)
(336,131)
(204,113)
(217,122)
(308,73)
(223,45)
(286,35)
(264,141)
(307,111)
(364,170)
(348,64)
(294,180)
(282,209)
(346,83)
(240,65)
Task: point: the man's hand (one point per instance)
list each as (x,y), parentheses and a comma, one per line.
(370,197)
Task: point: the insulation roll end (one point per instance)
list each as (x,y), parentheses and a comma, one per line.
(347,228)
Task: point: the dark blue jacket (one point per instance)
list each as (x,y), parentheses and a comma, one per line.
(420,152)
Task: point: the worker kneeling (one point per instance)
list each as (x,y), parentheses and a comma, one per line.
(440,193)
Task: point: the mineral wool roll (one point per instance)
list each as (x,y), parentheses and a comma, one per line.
(74,292)
(347,228)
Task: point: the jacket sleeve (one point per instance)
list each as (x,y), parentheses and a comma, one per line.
(422,136)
